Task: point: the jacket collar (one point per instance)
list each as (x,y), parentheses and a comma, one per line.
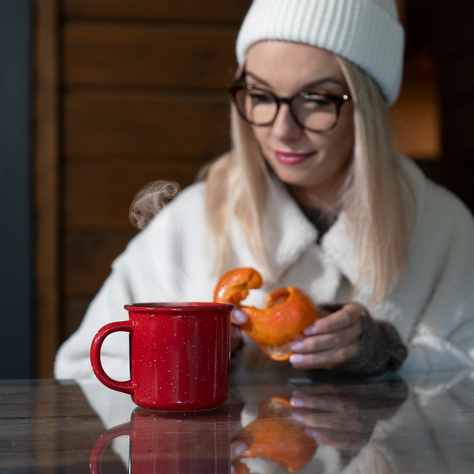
(288,235)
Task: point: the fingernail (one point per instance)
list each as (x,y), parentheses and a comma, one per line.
(296,358)
(296,346)
(239,448)
(312,433)
(239,317)
(298,417)
(296,402)
(311,330)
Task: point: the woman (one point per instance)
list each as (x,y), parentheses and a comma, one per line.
(314,195)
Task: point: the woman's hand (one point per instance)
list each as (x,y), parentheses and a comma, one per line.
(332,417)
(237,318)
(329,341)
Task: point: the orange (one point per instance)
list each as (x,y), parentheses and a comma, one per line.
(233,287)
(286,313)
(276,436)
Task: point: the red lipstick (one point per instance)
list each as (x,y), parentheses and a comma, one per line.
(292,157)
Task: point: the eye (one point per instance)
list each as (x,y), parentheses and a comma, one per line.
(259,96)
(314,101)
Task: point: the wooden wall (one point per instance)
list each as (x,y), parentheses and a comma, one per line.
(139,92)
(143,99)
(128,92)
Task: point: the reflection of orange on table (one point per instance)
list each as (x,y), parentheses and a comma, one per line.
(286,313)
(274,435)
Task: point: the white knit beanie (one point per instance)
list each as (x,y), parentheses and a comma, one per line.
(366,32)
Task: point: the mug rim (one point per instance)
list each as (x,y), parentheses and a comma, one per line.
(179,306)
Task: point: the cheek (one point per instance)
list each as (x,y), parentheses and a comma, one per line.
(346,125)
(342,140)
(260,136)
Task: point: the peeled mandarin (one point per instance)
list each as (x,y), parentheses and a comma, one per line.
(286,313)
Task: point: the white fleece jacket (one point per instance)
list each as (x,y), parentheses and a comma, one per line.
(432,306)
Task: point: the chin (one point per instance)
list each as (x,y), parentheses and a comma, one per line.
(294,183)
(294,179)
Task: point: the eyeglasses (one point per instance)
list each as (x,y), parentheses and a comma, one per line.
(316,112)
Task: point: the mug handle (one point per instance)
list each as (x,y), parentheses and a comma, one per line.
(103,441)
(96,346)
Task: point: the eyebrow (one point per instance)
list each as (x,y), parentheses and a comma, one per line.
(310,85)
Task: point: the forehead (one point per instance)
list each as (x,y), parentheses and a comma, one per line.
(288,65)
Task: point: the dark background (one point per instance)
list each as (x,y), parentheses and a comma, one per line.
(16,348)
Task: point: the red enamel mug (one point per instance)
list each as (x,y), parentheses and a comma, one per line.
(179,355)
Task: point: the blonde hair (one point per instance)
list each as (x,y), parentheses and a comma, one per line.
(379,200)
(376,195)
(237,185)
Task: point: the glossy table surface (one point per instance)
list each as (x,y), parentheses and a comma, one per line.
(416,423)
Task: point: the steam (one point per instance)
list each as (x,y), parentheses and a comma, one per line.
(150,200)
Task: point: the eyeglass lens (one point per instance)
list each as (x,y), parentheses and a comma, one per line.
(312,111)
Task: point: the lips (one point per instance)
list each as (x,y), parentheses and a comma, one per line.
(292,157)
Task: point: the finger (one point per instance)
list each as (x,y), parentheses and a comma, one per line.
(340,439)
(323,312)
(313,328)
(323,342)
(238,448)
(236,332)
(347,316)
(324,359)
(235,338)
(328,421)
(323,402)
(238,317)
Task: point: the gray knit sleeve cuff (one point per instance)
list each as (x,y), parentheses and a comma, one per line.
(380,349)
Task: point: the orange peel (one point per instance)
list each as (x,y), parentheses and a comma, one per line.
(234,286)
(286,313)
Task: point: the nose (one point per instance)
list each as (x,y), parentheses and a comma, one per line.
(284,126)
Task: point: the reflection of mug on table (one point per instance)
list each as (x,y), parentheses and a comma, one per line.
(191,443)
(179,355)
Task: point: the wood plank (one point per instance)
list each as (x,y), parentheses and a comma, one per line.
(88,255)
(99,194)
(122,124)
(46,163)
(166,10)
(74,309)
(144,55)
